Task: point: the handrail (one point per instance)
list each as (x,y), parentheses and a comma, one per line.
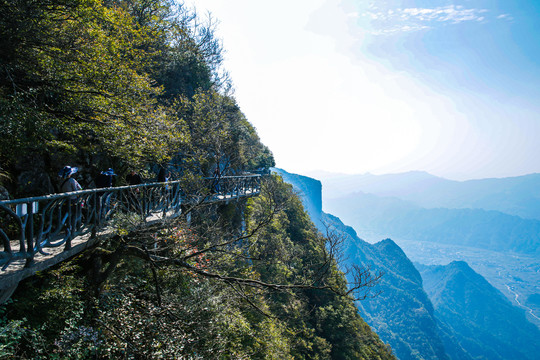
(87,191)
(31,225)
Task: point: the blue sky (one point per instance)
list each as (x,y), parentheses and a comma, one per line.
(449,87)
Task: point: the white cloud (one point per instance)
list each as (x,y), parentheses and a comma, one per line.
(399,29)
(390,21)
(505,17)
(451,13)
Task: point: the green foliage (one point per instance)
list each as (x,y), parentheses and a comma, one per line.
(78,81)
(48,317)
(11,333)
(221,134)
(121,83)
(290,250)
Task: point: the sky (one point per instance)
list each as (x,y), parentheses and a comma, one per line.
(354,86)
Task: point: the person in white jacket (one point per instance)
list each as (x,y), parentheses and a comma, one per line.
(72,210)
(69,184)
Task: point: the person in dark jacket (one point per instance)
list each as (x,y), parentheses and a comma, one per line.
(69,184)
(133,178)
(162,175)
(71,208)
(106,179)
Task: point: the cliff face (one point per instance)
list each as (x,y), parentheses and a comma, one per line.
(442,312)
(309,190)
(401,312)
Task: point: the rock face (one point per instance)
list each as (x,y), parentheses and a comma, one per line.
(4,193)
(310,191)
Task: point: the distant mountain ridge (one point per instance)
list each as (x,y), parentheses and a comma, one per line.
(518,196)
(403,219)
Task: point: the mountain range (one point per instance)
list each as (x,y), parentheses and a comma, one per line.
(490,223)
(392,216)
(519,196)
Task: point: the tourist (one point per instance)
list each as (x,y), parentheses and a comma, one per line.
(69,184)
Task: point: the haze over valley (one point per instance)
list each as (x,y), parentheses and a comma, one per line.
(492,224)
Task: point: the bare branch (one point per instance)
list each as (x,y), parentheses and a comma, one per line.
(363,280)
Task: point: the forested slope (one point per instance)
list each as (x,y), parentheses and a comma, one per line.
(398,308)
(402,312)
(426,312)
(270,292)
(137,84)
(480,318)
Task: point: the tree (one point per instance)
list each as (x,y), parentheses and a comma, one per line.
(74,81)
(220,135)
(115,83)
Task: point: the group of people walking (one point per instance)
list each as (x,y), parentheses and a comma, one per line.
(73,208)
(104,179)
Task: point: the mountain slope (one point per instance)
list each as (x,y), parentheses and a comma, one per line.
(401,313)
(484,321)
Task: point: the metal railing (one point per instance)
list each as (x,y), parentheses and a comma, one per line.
(30,226)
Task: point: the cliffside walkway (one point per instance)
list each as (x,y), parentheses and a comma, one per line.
(39,232)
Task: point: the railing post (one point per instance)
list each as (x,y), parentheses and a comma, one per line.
(29,235)
(20,211)
(69,227)
(144,195)
(93,200)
